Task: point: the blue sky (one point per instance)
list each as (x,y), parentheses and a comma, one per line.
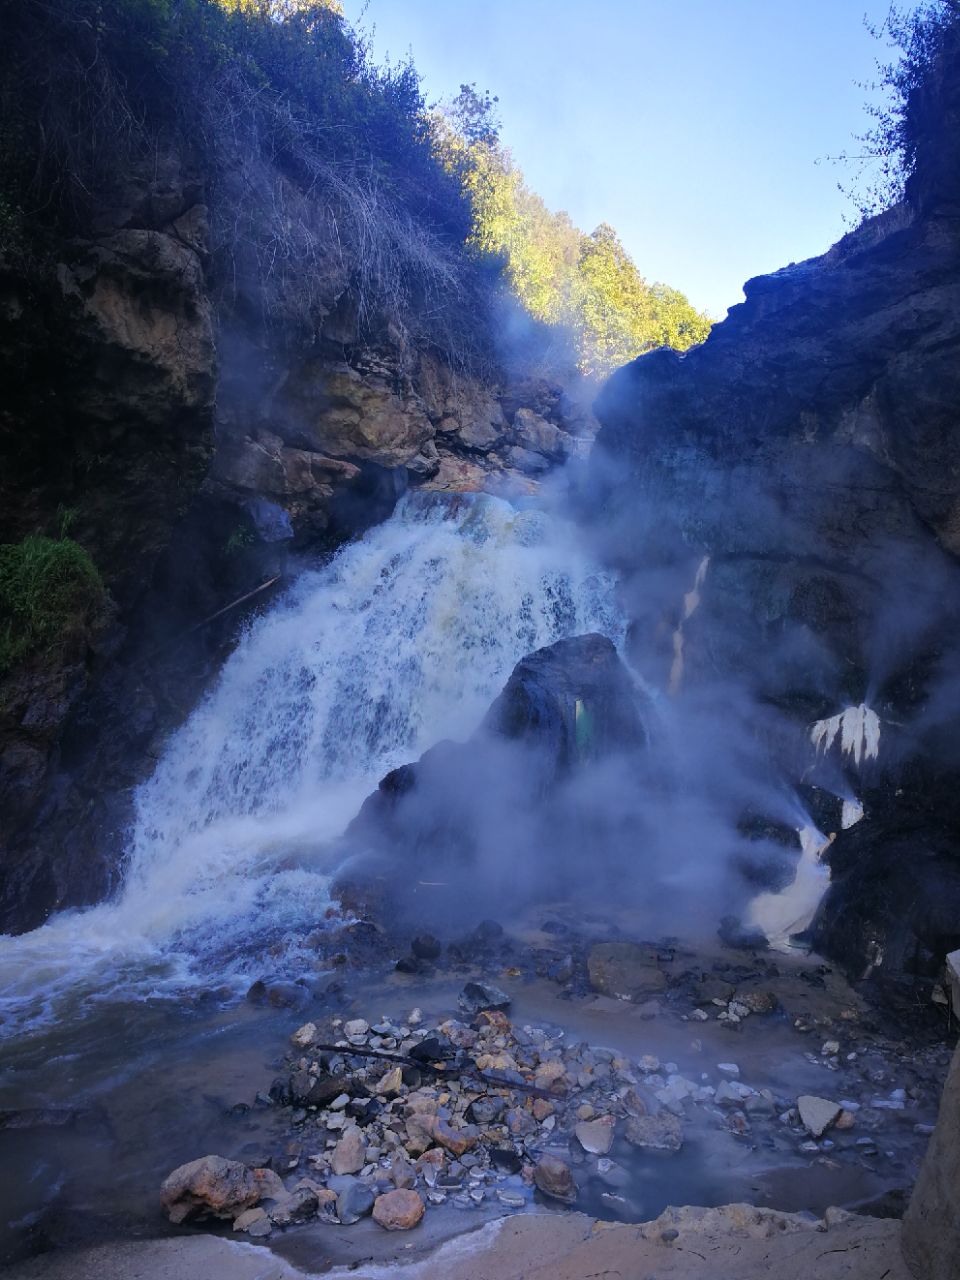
(695,127)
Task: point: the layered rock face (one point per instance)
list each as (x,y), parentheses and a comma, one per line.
(192,447)
(791,490)
(931,1227)
(111,361)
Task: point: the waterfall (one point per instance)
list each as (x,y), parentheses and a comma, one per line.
(402,639)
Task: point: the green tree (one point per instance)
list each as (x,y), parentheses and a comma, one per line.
(587,283)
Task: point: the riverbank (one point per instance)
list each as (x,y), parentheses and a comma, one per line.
(156,1085)
(543,1248)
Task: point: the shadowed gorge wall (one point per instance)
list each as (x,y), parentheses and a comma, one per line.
(806,456)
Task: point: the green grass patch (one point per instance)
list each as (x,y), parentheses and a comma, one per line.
(50,589)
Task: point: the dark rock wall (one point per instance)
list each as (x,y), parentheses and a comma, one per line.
(931,1226)
(811,449)
(194,448)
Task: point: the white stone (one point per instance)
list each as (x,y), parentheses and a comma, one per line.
(817,1114)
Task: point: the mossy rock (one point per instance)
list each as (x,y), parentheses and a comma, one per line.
(50,590)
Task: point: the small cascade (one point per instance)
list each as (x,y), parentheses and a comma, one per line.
(691,602)
(856,731)
(780,915)
(402,639)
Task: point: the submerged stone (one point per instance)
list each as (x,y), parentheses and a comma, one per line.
(554,1178)
(661,1132)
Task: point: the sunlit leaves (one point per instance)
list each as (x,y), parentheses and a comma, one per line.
(587,283)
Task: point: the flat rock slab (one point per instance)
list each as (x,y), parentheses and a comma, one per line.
(624,970)
(817,1114)
(723,1244)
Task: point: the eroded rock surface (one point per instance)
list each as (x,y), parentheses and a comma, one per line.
(795,485)
(931,1228)
(209,1187)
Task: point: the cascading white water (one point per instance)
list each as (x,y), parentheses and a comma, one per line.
(404,638)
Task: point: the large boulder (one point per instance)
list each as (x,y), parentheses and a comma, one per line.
(504,812)
(931,1226)
(209,1187)
(571,701)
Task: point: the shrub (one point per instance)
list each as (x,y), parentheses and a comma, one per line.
(50,590)
(923,37)
(315,161)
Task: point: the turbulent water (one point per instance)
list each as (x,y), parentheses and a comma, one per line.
(402,639)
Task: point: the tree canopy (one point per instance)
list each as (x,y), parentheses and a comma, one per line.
(587,283)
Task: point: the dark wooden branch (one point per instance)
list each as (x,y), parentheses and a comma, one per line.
(471,1072)
(170,644)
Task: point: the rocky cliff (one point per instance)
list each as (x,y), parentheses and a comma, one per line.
(806,459)
(195,449)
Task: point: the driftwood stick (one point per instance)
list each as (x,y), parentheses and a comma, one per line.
(402,1059)
(197,626)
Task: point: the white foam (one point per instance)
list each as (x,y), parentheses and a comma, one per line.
(403,639)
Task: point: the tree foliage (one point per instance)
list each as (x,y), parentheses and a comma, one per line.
(887,154)
(587,283)
(307,150)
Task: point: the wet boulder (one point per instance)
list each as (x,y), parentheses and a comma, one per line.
(572,700)
(931,1227)
(554,1179)
(209,1187)
(475,826)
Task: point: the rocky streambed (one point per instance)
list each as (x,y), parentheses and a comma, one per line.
(539,1070)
